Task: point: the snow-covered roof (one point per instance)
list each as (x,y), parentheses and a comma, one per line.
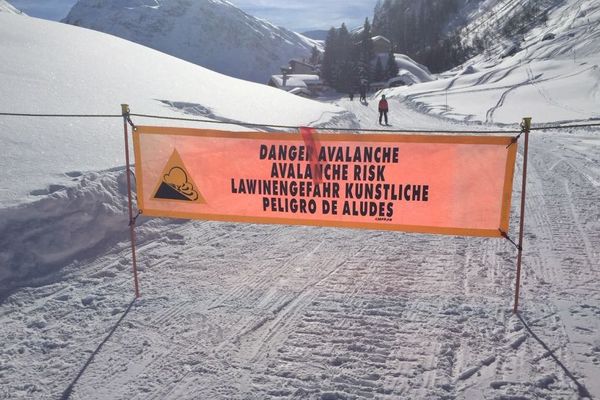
(296,80)
(379,37)
(300,91)
(301,62)
(419,71)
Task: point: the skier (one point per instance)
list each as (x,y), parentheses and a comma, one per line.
(351,94)
(383,109)
(363,90)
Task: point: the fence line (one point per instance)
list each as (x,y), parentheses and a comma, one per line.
(324,128)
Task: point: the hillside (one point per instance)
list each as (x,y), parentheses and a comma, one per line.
(245,311)
(109,71)
(212,33)
(550,71)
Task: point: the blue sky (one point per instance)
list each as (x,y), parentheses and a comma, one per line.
(298,15)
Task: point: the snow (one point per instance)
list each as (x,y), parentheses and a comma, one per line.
(109,71)
(5,6)
(212,33)
(550,80)
(296,80)
(242,311)
(407,66)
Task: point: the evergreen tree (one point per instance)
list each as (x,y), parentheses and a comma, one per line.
(366,51)
(419,29)
(328,64)
(344,63)
(391,68)
(378,74)
(315,56)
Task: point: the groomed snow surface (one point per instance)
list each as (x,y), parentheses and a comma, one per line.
(241,311)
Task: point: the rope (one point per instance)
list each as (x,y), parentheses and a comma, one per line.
(63,115)
(322,128)
(505,236)
(134,219)
(514,140)
(129,121)
(541,128)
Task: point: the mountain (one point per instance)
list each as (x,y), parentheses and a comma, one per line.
(212,33)
(5,6)
(316,35)
(539,58)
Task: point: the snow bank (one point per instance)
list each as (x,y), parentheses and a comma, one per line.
(419,71)
(49,67)
(69,223)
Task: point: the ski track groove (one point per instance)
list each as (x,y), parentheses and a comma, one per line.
(297,312)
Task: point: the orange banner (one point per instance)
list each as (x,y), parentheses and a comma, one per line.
(455,185)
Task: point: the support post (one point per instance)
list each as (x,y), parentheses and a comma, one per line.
(125,113)
(525,126)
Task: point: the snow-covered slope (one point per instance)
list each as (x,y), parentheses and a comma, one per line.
(554,74)
(418,73)
(50,67)
(211,33)
(243,311)
(5,6)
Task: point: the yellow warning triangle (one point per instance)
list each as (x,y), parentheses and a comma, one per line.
(176,184)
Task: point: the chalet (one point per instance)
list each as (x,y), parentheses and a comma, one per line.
(302,84)
(381,44)
(301,67)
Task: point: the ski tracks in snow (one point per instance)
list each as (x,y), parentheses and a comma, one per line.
(241,311)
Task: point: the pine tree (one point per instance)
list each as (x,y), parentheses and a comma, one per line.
(315,56)
(391,68)
(366,51)
(328,64)
(378,74)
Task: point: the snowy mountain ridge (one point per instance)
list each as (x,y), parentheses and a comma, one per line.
(212,33)
(500,23)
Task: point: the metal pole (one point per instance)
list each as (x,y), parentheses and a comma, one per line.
(125,113)
(526,126)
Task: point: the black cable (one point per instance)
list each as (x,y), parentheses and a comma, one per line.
(322,128)
(63,115)
(541,128)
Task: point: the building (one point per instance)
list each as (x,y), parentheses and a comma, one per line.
(301,84)
(381,44)
(302,67)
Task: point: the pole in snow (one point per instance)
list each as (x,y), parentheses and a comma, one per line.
(125,113)
(525,126)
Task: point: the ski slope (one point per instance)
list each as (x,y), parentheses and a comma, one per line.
(550,80)
(242,311)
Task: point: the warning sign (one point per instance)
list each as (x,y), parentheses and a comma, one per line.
(457,185)
(175,183)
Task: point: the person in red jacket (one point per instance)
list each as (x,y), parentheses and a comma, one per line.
(383,109)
